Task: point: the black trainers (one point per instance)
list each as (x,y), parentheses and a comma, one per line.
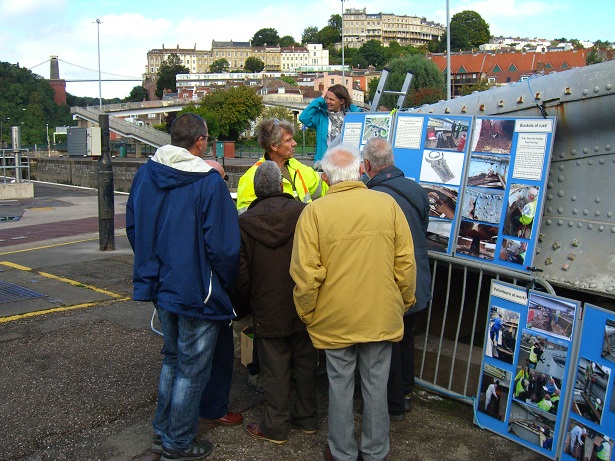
(157,447)
(308,430)
(198,450)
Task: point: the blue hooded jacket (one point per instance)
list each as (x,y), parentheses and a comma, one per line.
(184,230)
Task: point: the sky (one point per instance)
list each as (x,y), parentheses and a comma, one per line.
(33,30)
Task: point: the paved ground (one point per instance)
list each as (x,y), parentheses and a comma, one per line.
(80,363)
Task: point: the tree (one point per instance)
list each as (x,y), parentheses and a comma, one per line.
(309,35)
(427,82)
(266,36)
(473,26)
(26,100)
(335,21)
(373,54)
(219,66)
(137,94)
(168,70)
(253,64)
(329,35)
(287,41)
(234,110)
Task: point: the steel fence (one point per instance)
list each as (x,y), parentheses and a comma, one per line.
(450,332)
(15,165)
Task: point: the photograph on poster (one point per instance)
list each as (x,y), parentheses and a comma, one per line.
(553,316)
(493,135)
(590,389)
(513,251)
(482,205)
(608,346)
(442,200)
(438,235)
(543,355)
(584,443)
(477,240)
(503,328)
(613,397)
(522,208)
(535,427)
(446,133)
(376,126)
(495,387)
(489,171)
(442,167)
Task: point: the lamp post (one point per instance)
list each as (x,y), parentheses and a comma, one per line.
(48,143)
(343,79)
(99,78)
(448,52)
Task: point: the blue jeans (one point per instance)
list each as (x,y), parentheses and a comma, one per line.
(215,397)
(188,350)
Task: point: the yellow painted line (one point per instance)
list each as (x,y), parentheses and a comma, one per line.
(61,279)
(47,311)
(46,246)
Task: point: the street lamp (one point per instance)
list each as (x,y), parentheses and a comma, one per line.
(98,23)
(448,52)
(48,143)
(343,79)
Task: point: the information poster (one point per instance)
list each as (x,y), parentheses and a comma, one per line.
(360,127)
(432,149)
(504,193)
(526,366)
(590,428)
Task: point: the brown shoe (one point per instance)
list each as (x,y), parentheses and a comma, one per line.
(254,430)
(229,419)
(327,453)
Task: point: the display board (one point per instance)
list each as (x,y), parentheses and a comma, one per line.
(592,407)
(526,367)
(505,190)
(485,178)
(432,150)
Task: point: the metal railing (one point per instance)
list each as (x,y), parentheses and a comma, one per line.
(451,331)
(15,165)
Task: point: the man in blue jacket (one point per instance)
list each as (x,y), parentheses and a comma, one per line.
(184,231)
(412,199)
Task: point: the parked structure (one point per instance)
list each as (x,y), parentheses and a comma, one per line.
(360,27)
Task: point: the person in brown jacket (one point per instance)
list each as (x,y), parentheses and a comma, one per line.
(267,230)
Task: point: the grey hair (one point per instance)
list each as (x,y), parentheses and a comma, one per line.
(379,153)
(342,163)
(271,130)
(267,179)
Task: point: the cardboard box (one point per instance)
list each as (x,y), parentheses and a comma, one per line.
(247,345)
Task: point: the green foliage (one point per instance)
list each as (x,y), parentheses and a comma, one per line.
(26,100)
(483,85)
(371,53)
(281,113)
(266,36)
(219,66)
(335,21)
(253,64)
(289,80)
(329,35)
(427,82)
(287,41)
(233,110)
(167,71)
(309,35)
(468,30)
(137,94)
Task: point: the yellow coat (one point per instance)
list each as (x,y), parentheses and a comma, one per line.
(353,266)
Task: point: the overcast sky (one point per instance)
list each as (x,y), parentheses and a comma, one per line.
(33,30)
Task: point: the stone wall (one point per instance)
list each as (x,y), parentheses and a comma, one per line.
(84,172)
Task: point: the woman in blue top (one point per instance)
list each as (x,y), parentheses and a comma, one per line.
(326,116)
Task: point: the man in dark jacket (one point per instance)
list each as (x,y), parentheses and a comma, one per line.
(267,230)
(183,228)
(412,199)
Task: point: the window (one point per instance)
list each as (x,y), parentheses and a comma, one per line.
(512,68)
(497,68)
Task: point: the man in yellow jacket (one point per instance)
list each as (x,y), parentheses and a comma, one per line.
(355,276)
(299,180)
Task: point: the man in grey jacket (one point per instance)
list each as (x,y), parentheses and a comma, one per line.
(412,199)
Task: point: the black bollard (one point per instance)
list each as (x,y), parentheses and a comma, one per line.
(106,206)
